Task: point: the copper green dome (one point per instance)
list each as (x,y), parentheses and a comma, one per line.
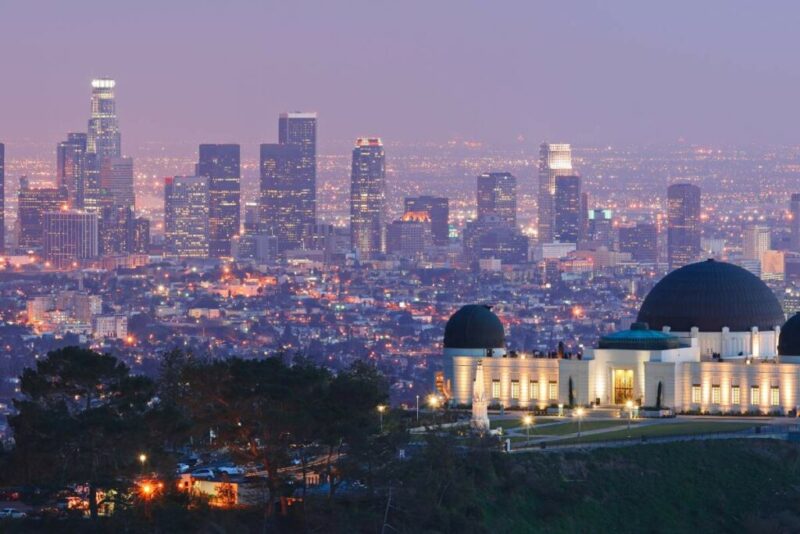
(711,295)
(474,326)
(639,337)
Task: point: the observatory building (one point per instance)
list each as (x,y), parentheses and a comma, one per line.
(711,334)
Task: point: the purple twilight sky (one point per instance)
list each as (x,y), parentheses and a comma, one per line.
(188,71)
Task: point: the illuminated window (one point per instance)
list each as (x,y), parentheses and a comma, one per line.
(716,395)
(533,391)
(553,390)
(696,397)
(774,396)
(755,396)
(495,389)
(515,389)
(735,395)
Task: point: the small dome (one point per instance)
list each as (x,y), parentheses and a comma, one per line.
(711,295)
(789,340)
(474,327)
(639,337)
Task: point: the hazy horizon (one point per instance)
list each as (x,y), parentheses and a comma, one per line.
(509,74)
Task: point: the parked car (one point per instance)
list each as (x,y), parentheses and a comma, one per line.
(203,472)
(231,470)
(12,513)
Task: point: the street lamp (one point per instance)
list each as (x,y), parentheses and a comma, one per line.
(417,409)
(433,403)
(629,405)
(381,409)
(528,420)
(579,413)
(142,460)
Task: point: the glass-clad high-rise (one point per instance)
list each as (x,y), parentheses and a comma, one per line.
(368,198)
(221,165)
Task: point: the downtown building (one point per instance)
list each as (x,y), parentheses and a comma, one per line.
(438,211)
(288,173)
(568,217)
(2,198)
(32,204)
(368,198)
(186,214)
(220,164)
(683,224)
(71,167)
(555,159)
(103,142)
(70,238)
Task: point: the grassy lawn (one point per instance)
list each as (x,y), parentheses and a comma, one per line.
(664,429)
(571,427)
(516,422)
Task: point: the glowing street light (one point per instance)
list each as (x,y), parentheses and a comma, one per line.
(528,420)
(417,409)
(579,414)
(142,460)
(381,409)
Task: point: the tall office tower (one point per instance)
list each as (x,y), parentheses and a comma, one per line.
(438,210)
(641,241)
(104,137)
(497,197)
(794,207)
(300,129)
(756,242)
(220,164)
(368,198)
(32,204)
(70,237)
(186,200)
(115,230)
(140,236)
(554,160)
(567,207)
(280,212)
(116,180)
(70,167)
(683,226)
(2,198)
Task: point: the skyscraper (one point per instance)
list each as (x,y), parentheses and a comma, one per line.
(220,164)
(756,242)
(300,129)
(104,137)
(115,230)
(683,225)
(71,166)
(70,237)
(2,198)
(368,198)
(794,208)
(497,197)
(103,141)
(567,207)
(140,238)
(281,202)
(438,210)
(32,204)
(554,160)
(116,180)
(186,200)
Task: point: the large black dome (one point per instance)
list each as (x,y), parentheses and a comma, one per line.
(711,295)
(789,340)
(474,327)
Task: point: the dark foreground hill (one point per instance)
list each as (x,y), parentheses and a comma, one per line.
(702,486)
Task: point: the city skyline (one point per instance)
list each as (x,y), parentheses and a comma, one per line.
(622,34)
